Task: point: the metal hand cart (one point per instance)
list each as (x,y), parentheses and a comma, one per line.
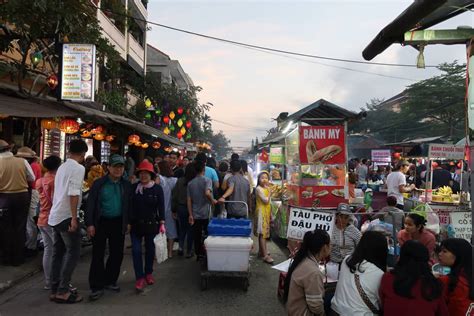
(243,275)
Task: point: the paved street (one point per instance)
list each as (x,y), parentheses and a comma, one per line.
(177,292)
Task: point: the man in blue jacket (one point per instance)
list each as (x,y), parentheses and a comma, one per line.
(107,219)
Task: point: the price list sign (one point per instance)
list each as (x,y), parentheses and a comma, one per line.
(78,72)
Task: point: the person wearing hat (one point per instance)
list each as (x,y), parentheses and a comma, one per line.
(397,183)
(107,222)
(31,229)
(15,174)
(345,236)
(415,230)
(147,218)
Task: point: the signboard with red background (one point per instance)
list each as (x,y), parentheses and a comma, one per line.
(323,145)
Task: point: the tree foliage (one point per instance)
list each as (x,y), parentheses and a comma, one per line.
(433,107)
(220,144)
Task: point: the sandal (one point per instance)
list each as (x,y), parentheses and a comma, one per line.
(268,259)
(72,299)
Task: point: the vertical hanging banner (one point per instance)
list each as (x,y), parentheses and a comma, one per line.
(78,72)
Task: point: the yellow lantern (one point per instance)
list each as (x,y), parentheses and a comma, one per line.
(147,103)
(145,145)
(99,136)
(166,130)
(138,144)
(69,126)
(172,115)
(156,144)
(48,124)
(180,122)
(132,139)
(183,130)
(85,133)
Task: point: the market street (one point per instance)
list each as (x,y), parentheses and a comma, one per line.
(176,292)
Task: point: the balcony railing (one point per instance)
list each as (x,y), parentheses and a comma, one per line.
(136,51)
(116,37)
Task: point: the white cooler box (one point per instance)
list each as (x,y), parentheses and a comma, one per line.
(228,253)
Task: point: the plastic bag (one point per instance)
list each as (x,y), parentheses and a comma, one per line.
(432,221)
(161,250)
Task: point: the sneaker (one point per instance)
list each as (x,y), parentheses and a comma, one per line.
(149,279)
(96,294)
(113,287)
(140,285)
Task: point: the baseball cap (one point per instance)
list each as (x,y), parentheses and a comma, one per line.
(116,160)
(344,208)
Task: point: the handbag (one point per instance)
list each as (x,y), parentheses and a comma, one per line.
(364,296)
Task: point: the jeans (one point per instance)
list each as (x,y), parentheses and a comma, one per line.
(66,254)
(31,228)
(185,230)
(15,208)
(47,233)
(138,257)
(200,231)
(108,230)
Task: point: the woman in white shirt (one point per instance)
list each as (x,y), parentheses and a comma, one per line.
(360,276)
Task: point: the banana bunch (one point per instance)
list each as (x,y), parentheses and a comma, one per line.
(445,191)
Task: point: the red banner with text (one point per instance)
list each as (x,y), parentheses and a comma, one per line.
(322,145)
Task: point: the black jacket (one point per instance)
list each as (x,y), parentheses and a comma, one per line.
(93,212)
(146,207)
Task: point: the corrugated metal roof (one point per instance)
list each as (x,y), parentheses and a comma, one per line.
(324,111)
(27,107)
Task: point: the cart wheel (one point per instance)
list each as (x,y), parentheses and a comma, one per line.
(246,284)
(203,283)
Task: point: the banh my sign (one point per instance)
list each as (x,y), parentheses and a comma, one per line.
(78,72)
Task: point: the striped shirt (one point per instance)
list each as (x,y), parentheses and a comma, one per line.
(343,242)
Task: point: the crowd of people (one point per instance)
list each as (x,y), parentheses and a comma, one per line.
(157,195)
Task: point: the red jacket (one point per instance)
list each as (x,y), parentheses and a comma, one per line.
(458,300)
(395,305)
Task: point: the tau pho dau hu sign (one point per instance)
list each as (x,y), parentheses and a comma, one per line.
(303,220)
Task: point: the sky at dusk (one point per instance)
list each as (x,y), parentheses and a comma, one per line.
(248,87)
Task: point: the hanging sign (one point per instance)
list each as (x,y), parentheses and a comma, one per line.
(461,222)
(78,72)
(446,151)
(277,155)
(381,156)
(322,145)
(303,220)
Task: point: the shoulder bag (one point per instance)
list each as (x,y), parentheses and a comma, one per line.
(364,296)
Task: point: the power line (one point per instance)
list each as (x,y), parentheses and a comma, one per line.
(241,127)
(263,47)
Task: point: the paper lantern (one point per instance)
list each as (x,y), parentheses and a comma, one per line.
(183,130)
(52,81)
(156,144)
(188,124)
(145,145)
(85,134)
(172,115)
(166,130)
(172,128)
(148,115)
(180,110)
(48,124)
(166,120)
(69,126)
(36,58)
(109,138)
(97,130)
(184,118)
(397,155)
(179,135)
(147,103)
(188,136)
(3,116)
(99,136)
(158,112)
(138,144)
(180,123)
(132,139)
(168,149)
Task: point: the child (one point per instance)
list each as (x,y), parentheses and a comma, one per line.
(263,214)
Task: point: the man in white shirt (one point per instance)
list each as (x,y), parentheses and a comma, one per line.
(63,218)
(15,175)
(397,184)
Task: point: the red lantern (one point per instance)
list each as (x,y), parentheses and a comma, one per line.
(166,120)
(69,126)
(180,110)
(52,81)
(397,155)
(109,138)
(188,124)
(97,130)
(133,139)
(48,124)
(179,135)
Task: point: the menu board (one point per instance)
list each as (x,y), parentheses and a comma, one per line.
(445,151)
(381,156)
(322,145)
(277,155)
(78,72)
